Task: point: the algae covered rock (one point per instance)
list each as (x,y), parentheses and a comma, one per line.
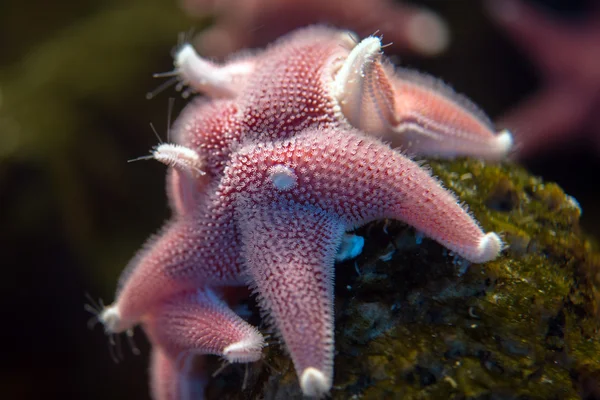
(413,321)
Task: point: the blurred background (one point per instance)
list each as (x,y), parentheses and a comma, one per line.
(73,82)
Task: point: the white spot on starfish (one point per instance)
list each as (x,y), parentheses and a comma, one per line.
(283,177)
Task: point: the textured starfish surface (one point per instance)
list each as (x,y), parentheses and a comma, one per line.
(265,180)
(567,106)
(258,22)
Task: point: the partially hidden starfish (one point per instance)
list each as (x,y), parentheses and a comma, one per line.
(567,107)
(267,174)
(252,23)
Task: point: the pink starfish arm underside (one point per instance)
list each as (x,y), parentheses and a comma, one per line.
(255,23)
(431,119)
(290,253)
(199,322)
(172,379)
(412,110)
(216,81)
(359,179)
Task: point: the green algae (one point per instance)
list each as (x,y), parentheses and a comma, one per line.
(415,322)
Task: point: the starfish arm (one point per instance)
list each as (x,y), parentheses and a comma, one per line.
(360,179)
(171,381)
(197,323)
(290,252)
(431,119)
(540,121)
(208,78)
(184,191)
(363,90)
(190,252)
(414,111)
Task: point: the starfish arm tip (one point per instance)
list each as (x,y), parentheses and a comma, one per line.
(504,140)
(314,382)
(489,247)
(247,350)
(179,157)
(111,319)
(204,76)
(351,74)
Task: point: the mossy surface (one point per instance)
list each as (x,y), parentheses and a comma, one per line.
(413,321)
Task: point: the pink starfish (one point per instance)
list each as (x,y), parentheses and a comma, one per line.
(567,107)
(254,23)
(265,179)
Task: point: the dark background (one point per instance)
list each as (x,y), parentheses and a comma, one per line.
(73,79)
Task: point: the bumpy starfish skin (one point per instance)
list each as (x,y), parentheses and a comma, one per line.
(265,181)
(257,22)
(294,200)
(205,76)
(195,250)
(198,322)
(429,120)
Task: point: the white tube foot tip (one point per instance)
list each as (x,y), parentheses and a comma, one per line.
(185,54)
(314,383)
(244,351)
(489,247)
(111,319)
(504,140)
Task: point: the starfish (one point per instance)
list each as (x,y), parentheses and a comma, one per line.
(257,22)
(566,108)
(265,180)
